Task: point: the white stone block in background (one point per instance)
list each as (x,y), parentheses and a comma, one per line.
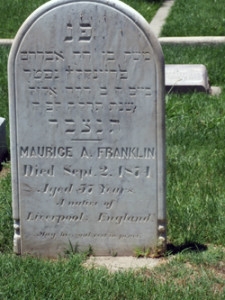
(186,78)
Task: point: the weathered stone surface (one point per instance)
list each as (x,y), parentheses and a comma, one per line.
(3,144)
(86,88)
(186,78)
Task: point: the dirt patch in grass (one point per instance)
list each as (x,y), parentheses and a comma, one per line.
(4,171)
(114,264)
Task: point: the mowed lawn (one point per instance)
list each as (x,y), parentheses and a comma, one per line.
(193,267)
(196,18)
(14,12)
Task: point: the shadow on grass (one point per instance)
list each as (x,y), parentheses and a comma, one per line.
(186,247)
(4,159)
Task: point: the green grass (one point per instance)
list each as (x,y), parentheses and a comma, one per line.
(14,12)
(186,276)
(195,168)
(195,155)
(196,18)
(4,51)
(6,222)
(147,8)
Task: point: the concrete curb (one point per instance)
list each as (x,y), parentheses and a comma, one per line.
(6,42)
(160,17)
(192,40)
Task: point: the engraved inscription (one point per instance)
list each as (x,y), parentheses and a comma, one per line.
(126,152)
(35,170)
(45,152)
(80,173)
(35,217)
(104,217)
(69,30)
(47,86)
(38,56)
(83,203)
(107,189)
(53,191)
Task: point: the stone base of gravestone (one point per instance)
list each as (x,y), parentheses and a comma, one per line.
(186,78)
(3,144)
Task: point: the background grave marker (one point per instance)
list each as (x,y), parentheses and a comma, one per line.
(186,78)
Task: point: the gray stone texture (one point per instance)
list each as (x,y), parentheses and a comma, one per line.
(86,87)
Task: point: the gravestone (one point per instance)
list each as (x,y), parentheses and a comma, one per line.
(186,78)
(86,84)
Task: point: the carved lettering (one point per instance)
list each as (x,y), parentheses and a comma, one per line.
(41,55)
(53,191)
(126,152)
(35,217)
(104,217)
(83,203)
(80,173)
(100,235)
(45,152)
(84,153)
(40,75)
(109,204)
(35,170)
(69,37)
(85,188)
(134,171)
(107,189)
(47,235)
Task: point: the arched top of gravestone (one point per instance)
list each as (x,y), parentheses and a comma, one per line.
(119,6)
